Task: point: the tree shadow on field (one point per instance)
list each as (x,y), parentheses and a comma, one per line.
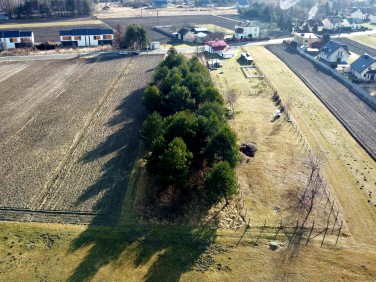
(166,252)
(123,146)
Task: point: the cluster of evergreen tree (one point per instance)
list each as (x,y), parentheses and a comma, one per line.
(190,144)
(47,8)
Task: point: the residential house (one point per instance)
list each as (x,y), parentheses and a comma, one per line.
(364,68)
(159,4)
(196,30)
(333,52)
(86,37)
(11,39)
(186,35)
(306,39)
(355,24)
(373,19)
(246,30)
(360,13)
(332,23)
(242,4)
(220,48)
(313,25)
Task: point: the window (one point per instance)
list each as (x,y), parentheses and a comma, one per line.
(65,38)
(97,37)
(25,39)
(107,36)
(14,39)
(77,38)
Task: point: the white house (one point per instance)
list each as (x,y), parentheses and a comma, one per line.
(246,30)
(373,19)
(306,39)
(333,52)
(86,37)
(220,48)
(364,68)
(11,39)
(331,23)
(360,13)
(355,24)
(242,4)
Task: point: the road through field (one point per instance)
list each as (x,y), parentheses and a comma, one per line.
(348,170)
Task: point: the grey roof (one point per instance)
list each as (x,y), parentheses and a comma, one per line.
(354,21)
(332,46)
(312,22)
(183,31)
(364,10)
(362,63)
(15,33)
(243,2)
(160,2)
(86,31)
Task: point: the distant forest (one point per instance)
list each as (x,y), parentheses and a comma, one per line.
(46,8)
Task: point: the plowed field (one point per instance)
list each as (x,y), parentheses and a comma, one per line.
(69,135)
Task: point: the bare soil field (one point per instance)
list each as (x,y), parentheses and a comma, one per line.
(358,47)
(348,170)
(70,137)
(356,115)
(127,12)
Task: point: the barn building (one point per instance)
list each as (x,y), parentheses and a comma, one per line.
(86,37)
(11,39)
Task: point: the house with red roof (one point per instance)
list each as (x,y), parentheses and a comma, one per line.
(221,48)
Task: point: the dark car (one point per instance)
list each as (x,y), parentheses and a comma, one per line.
(135,52)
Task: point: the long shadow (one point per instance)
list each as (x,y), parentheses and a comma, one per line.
(167,251)
(123,144)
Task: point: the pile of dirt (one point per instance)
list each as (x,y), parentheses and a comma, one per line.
(248,149)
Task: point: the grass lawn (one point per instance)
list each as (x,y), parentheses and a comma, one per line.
(369,40)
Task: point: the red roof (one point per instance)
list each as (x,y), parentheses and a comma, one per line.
(216,44)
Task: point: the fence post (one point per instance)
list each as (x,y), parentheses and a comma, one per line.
(335,221)
(310,233)
(339,232)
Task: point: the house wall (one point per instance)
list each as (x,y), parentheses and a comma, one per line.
(86,40)
(207,48)
(357,15)
(254,30)
(362,75)
(337,54)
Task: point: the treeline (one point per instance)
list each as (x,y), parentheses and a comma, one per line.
(191,146)
(47,8)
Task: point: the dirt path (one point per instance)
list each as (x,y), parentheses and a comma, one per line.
(348,170)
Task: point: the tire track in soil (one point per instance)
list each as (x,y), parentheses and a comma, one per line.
(39,203)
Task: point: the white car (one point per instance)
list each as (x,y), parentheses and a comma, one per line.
(123,53)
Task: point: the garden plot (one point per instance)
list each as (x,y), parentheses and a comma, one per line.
(56,111)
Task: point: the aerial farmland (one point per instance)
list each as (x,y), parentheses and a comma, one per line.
(67,146)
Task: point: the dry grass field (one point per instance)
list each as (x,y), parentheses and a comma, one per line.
(348,170)
(68,146)
(135,252)
(368,40)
